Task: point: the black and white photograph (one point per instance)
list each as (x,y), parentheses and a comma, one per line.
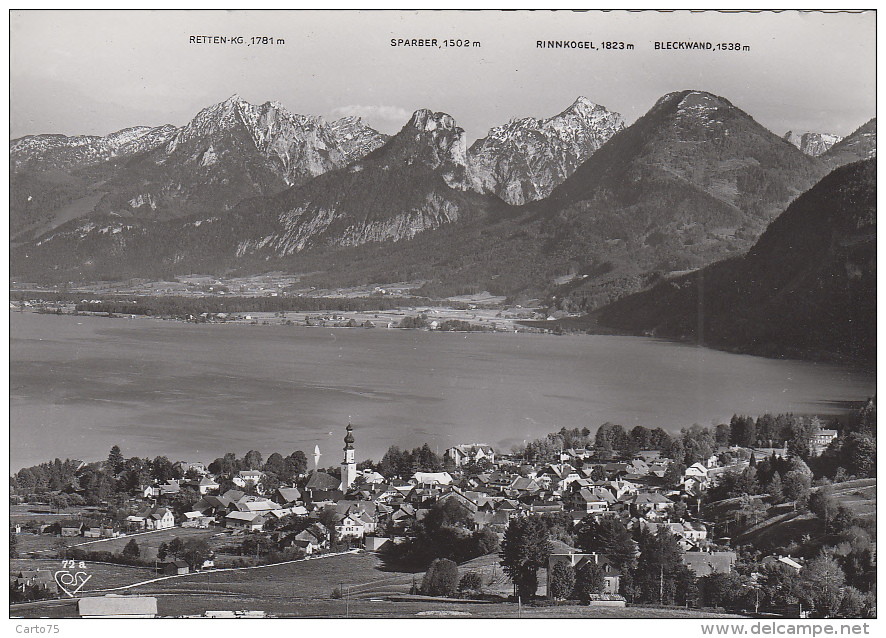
(414,314)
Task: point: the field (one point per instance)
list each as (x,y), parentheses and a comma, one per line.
(149,542)
(303,590)
(102,575)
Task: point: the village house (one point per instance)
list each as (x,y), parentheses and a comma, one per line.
(649,503)
(204,485)
(152,518)
(460,455)
(285,495)
(576,558)
(308,541)
(246,479)
(589,501)
(248,521)
(323,487)
(185,466)
(432,478)
(42,579)
(353,525)
(169,489)
(176,568)
(821,440)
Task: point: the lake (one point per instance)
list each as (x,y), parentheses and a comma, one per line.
(79,385)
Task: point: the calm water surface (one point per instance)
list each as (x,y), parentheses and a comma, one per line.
(79,385)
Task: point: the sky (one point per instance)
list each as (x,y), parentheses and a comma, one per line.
(95,72)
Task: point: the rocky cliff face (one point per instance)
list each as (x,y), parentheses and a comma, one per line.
(355,139)
(814,144)
(525,159)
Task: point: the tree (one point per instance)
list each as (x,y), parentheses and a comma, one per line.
(823,580)
(609,537)
(752,510)
(779,585)
(852,604)
(162,551)
(59,501)
(686,586)
(134,475)
(659,559)
(524,550)
(562,579)
(131,550)
(184,500)
(252,460)
(589,581)
(162,469)
(743,431)
(268,483)
(698,444)
(297,463)
(824,505)
(441,579)
(775,489)
(796,485)
(176,547)
(196,552)
(393,463)
(722,433)
(611,436)
(674,474)
(115,461)
(860,455)
(679,511)
(275,464)
(13,542)
(256,544)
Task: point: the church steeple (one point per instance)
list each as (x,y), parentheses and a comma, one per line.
(349,463)
(349,438)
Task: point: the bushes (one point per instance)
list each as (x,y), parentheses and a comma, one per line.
(75,553)
(132,549)
(470,582)
(441,579)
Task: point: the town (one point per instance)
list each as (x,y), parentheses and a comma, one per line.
(773,516)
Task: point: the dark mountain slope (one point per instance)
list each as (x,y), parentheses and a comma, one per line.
(807,286)
(861,144)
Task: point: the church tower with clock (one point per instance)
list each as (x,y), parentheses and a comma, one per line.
(348,464)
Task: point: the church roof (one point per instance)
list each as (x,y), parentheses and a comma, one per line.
(322,481)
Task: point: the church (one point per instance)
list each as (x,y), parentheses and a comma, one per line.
(322,486)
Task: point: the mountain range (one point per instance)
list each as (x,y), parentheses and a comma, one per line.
(576,208)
